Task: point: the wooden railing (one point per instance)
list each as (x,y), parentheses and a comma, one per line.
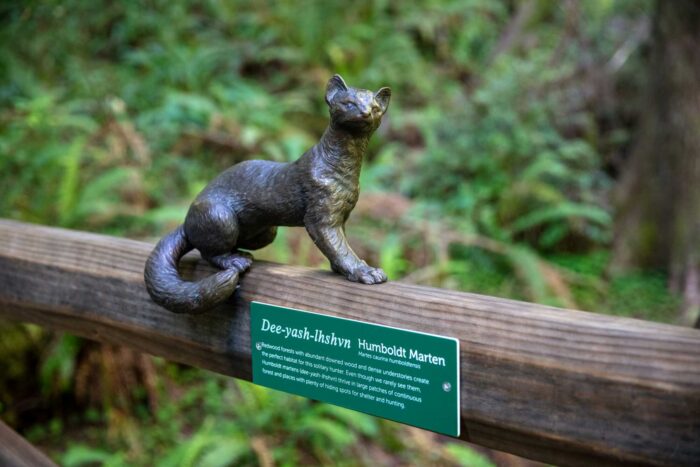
(560,386)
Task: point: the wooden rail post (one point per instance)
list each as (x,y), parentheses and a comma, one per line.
(16,451)
(560,386)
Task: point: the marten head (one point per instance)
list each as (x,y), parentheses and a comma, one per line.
(353,109)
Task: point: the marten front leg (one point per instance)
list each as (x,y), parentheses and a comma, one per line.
(331,241)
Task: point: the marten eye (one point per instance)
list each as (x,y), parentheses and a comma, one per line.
(349,105)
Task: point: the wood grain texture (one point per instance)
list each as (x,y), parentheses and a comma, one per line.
(560,386)
(16,451)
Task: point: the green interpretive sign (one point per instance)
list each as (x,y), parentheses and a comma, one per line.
(407,376)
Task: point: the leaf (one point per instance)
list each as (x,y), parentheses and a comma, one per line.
(58,367)
(334,432)
(68,191)
(467,456)
(391,256)
(101,196)
(172,214)
(526,263)
(552,235)
(226,452)
(561,211)
(82,455)
(365,424)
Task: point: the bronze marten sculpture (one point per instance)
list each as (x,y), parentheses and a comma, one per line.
(242,207)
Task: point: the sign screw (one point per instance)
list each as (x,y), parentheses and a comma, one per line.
(258,346)
(447,387)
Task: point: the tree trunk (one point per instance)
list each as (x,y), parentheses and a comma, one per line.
(658,220)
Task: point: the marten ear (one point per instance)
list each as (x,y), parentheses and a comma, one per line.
(383,96)
(335,85)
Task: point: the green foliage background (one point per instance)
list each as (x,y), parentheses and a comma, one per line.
(491,173)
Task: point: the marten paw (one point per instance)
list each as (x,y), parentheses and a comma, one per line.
(239,261)
(368,275)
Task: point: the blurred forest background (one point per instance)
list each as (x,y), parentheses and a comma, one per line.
(539,150)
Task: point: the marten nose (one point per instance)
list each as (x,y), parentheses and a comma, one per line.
(366,112)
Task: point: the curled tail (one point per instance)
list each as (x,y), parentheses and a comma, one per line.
(166,287)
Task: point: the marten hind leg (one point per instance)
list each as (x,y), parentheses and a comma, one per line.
(214,230)
(259,240)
